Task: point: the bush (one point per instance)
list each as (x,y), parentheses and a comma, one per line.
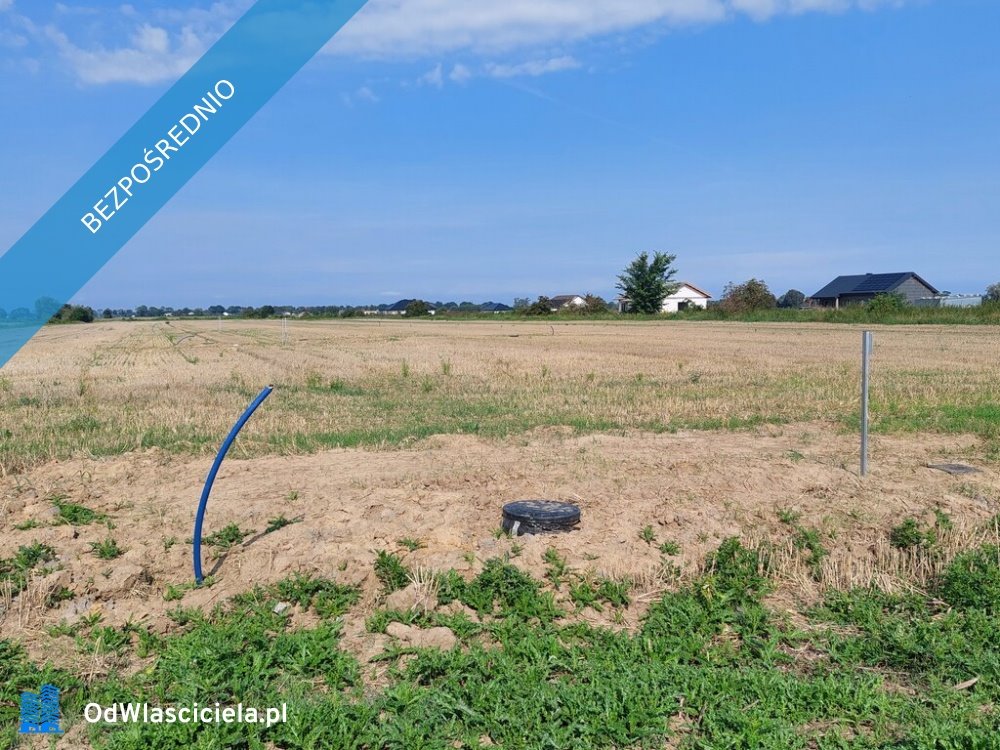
(738,571)
(73,314)
(791,299)
(885,304)
(541,306)
(593,305)
(746,297)
(908,535)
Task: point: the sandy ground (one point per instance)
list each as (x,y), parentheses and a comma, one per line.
(693,488)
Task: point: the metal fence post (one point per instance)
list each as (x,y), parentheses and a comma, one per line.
(866,357)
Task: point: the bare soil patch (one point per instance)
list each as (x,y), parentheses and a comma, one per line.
(692,488)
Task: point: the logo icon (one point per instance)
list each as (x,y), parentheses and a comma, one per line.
(40,711)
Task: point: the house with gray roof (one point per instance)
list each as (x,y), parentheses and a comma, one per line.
(855,290)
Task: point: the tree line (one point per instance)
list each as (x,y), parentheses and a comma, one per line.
(645,283)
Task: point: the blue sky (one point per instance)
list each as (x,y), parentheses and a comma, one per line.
(474,150)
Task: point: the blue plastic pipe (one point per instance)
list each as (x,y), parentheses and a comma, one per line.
(198,577)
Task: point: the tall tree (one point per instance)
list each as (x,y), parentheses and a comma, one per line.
(646,283)
(993,292)
(417,309)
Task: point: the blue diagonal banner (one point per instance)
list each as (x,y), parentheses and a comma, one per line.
(157,156)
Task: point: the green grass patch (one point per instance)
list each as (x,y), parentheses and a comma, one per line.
(710,666)
(75,514)
(15,571)
(227,537)
(106,549)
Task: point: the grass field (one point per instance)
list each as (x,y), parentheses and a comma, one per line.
(107,389)
(734,583)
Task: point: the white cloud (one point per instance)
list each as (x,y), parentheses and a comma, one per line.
(165,42)
(414,28)
(532,67)
(433,77)
(152,57)
(460,74)
(14,41)
(366,94)
(161,45)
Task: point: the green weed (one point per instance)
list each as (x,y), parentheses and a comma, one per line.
(107,549)
(391,572)
(15,571)
(277,523)
(75,514)
(908,535)
(227,537)
(670,548)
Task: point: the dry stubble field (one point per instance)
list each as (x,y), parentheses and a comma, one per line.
(408,437)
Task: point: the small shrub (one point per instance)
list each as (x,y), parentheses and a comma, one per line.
(908,535)
(885,304)
(736,570)
(670,548)
(647,534)
(972,580)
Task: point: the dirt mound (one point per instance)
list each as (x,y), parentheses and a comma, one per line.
(438,505)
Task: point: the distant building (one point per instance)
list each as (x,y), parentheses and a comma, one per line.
(685,297)
(854,290)
(946,299)
(399,308)
(562,301)
(495,308)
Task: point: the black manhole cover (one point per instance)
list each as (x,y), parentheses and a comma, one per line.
(954,468)
(539,517)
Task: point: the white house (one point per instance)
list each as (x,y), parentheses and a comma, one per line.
(563,301)
(685,297)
